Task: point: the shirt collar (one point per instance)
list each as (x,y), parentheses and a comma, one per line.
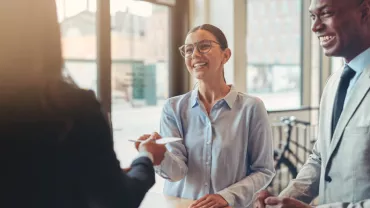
(230,98)
(194,97)
(360,62)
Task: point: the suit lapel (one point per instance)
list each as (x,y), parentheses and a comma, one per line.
(358,94)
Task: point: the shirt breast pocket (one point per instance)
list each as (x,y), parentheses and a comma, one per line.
(356,130)
(358,139)
(356,143)
(354,149)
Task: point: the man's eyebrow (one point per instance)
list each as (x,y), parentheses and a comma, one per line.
(311,11)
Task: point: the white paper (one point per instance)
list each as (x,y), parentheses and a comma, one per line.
(164,140)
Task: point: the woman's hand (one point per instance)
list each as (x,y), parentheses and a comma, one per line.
(210,201)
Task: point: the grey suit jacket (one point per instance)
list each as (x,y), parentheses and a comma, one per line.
(338,169)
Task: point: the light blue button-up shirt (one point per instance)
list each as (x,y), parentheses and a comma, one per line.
(358,64)
(229,152)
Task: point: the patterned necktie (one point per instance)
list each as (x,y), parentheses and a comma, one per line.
(346,77)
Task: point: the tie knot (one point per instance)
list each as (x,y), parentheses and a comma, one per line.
(348,73)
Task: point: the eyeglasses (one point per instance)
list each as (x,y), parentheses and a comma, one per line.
(203,47)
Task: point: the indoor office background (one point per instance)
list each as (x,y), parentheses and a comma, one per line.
(127,52)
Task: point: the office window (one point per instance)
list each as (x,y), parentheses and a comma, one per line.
(139,35)
(78,24)
(285,6)
(273,64)
(139,74)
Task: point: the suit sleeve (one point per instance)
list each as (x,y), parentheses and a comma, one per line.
(102,180)
(306,186)
(307,183)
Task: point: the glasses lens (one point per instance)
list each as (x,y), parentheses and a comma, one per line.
(188,50)
(204,46)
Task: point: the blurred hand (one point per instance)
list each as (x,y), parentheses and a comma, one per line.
(210,201)
(149,145)
(144,137)
(126,170)
(260,199)
(285,202)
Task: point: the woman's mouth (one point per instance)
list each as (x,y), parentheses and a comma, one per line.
(199,65)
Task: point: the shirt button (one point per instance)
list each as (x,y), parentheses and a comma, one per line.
(209,142)
(206,184)
(207,163)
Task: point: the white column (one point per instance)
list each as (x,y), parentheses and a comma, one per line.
(104,57)
(230,17)
(198,14)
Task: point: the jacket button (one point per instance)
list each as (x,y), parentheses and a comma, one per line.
(328,179)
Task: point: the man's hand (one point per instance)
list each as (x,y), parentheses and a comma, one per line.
(126,170)
(210,201)
(144,137)
(285,202)
(149,145)
(260,199)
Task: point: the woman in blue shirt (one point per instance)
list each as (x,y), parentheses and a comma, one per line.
(226,155)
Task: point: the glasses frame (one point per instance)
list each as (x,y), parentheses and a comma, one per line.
(196,46)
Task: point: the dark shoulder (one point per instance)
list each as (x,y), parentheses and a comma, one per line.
(69,99)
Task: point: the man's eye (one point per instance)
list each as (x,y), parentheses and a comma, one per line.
(327,13)
(313,17)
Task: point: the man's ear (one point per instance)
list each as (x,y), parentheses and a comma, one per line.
(365,11)
(227,55)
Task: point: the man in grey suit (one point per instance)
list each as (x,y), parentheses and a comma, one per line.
(338,170)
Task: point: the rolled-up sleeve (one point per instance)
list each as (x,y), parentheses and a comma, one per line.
(173,166)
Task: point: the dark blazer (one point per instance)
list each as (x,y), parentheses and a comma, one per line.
(56,150)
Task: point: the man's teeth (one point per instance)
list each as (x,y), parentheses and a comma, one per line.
(199,64)
(326,38)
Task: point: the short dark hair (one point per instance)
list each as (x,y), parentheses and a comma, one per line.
(215,31)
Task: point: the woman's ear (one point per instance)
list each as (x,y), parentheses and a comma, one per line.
(227,55)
